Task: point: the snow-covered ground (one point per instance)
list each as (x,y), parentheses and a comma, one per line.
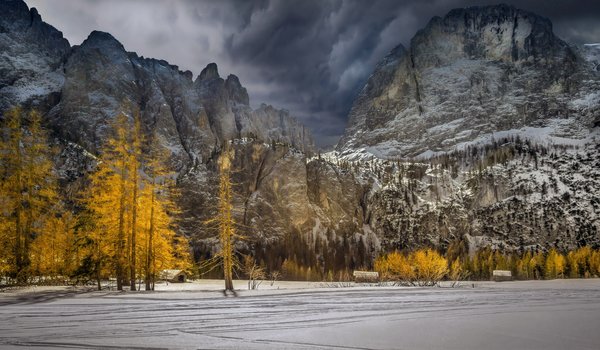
(562,314)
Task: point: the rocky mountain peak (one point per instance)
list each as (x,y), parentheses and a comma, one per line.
(102,40)
(14,10)
(393,55)
(474,72)
(32,56)
(209,72)
(498,32)
(236,91)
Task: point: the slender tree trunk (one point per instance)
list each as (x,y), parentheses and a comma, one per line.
(98,277)
(149,273)
(19,234)
(18,245)
(121,234)
(26,237)
(226,222)
(133,227)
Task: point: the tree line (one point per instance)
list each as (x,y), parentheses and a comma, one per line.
(427,267)
(118,226)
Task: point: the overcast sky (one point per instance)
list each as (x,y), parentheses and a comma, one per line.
(310,57)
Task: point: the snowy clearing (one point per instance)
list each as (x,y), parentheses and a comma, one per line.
(556,314)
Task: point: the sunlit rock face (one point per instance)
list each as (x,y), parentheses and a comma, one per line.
(473,72)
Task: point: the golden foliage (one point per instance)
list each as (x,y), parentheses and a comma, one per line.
(28,189)
(556,265)
(132,226)
(423,267)
(458,271)
(430,266)
(395,267)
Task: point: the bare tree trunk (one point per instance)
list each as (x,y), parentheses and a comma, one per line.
(98,278)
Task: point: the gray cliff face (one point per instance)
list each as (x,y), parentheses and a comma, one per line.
(476,71)
(192,118)
(82,88)
(102,79)
(32,58)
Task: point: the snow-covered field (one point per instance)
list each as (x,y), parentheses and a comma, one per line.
(562,314)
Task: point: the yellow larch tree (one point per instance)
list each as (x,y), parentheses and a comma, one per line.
(54,251)
(131,209)
(225,217)
(107,200)
(555,265)
(161,247)
(27,188)
(135,162)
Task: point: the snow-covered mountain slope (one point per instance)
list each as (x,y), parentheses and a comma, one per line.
(484,130)
(32,54)
(509,194)
(475,72)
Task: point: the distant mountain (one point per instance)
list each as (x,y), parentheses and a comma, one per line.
(84,87)
(473,73)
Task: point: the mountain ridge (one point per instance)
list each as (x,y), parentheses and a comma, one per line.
(54,86)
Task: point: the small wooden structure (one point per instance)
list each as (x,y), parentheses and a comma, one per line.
(365,276)
(173,276)
(501,275)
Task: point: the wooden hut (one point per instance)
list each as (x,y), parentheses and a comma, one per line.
(365,276)
(173,276)
(501,275)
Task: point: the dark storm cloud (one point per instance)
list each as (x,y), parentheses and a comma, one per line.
(310,57)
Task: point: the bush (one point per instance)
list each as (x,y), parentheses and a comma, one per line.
(430,267)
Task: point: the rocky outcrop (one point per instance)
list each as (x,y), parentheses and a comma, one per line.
(32,58)
(474,72)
